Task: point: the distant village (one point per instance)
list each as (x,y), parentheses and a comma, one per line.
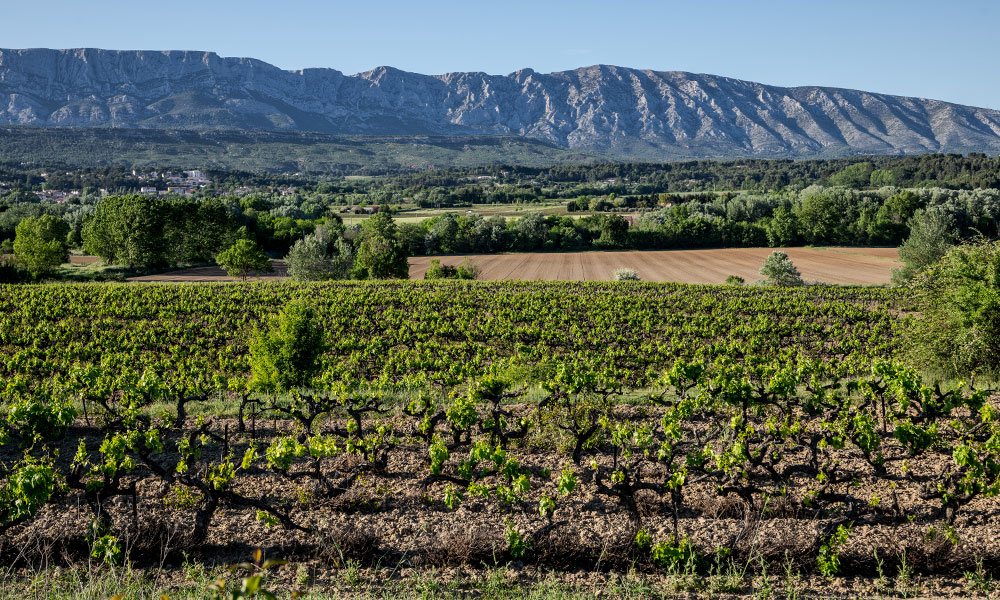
(183,183)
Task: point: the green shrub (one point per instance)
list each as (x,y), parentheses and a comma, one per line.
(468,270)
(286,356)
(828,560)
(438,271)
(932,233)
(672,554)
(957,331)
(627,275)
(29,485)
(39,416)
(517,546)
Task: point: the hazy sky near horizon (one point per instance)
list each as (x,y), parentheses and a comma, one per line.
(931,49)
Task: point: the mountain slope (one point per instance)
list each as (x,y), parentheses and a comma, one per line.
(306,153)
(612,110)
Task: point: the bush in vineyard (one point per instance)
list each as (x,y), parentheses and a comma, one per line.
(286,356)
(957,331)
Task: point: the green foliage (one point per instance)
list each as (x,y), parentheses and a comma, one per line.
(127,230)
(452,496)
(244,257)
(828,560)
(438,271)
(309,259)
(901,207)
(267,519)
(286,356)
(778,270)
(380,255)
(856,175)
(932,233)
(546,506)
(782,228)
(107,549)
(567,481)
(29,485)
(883,177)
(735,280)
(40,244)
(467,270)
(821,217)
(40,416)
(147,231)
(626,275)
(439,455)
(979,581)
(643,540)
(613,231)
(957,331)
(672,554)
(517,546)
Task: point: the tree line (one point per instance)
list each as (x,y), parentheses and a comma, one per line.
(155,232)
(953,171)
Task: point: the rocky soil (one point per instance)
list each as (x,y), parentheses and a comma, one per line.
(393,524)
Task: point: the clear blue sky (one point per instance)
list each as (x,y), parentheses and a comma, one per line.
(933,49)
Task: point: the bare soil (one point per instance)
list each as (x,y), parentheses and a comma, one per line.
(82,259)
(214,273)
(391,518)
(864,266)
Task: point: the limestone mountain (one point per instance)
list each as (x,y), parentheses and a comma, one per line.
(611,110)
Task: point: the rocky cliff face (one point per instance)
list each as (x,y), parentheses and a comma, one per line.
(615,110)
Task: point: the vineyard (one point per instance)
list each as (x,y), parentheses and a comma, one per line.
(708,434)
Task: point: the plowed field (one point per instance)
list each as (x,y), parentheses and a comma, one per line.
(828,265)
(864,266)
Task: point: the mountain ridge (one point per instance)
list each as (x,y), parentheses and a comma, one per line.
(602,108)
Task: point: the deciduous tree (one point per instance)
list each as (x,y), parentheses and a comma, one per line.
(380,255)
(244,257)
(40,244)
(779,270)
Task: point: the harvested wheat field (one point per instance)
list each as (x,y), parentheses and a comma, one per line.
(828,265)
